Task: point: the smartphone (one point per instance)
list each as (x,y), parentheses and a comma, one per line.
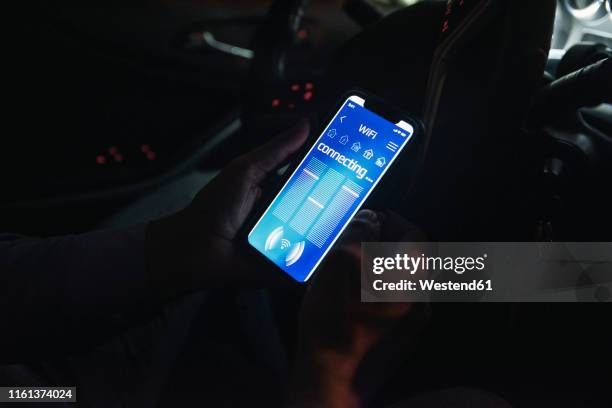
(330,183)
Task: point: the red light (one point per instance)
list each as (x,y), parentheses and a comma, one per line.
(295,87)
(445,26)
(100,159)
(151,155)
(118,158)
(302,33)
(309,86)
(308,96)
(275,103)
(145,148)
(113,150)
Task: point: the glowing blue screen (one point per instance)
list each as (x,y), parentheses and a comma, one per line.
(328,187)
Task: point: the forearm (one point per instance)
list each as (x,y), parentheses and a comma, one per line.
(56,285)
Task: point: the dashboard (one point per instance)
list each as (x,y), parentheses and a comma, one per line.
(123,101)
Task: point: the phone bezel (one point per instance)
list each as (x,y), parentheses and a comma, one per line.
(378,106)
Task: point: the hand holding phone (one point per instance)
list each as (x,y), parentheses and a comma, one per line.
(330,183)
(196,248)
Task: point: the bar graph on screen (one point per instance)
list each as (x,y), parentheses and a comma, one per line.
(299,190)
(316,202)
(333,214)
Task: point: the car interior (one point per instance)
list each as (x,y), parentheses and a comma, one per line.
(120,111)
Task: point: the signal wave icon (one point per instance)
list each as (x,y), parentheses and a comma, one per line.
(289,253)
(285,243)
(294,255)
(273,238)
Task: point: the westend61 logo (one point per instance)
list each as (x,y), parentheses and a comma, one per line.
(412,264)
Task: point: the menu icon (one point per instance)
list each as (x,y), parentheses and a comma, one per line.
(392,146)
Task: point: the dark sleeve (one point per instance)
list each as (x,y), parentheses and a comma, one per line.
(53,290)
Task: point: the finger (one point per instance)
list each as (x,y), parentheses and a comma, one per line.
(271,155)
(396,228)
(364,227)
(346,255)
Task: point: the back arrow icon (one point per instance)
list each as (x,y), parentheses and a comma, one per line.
(342,118)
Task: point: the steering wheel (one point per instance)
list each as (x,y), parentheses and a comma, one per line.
(470,75)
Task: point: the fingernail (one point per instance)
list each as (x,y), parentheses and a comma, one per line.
(257,192)
(367,215)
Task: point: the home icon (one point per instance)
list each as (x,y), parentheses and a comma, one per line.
(356,146)
(368,154)
(380,162)
(344,140)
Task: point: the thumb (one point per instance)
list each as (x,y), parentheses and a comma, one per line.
(272,154)
(364,227)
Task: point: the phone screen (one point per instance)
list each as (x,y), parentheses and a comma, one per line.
(328,187)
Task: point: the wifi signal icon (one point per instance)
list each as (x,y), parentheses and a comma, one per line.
(285,243)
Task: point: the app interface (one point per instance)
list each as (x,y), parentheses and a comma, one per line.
(328,188)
